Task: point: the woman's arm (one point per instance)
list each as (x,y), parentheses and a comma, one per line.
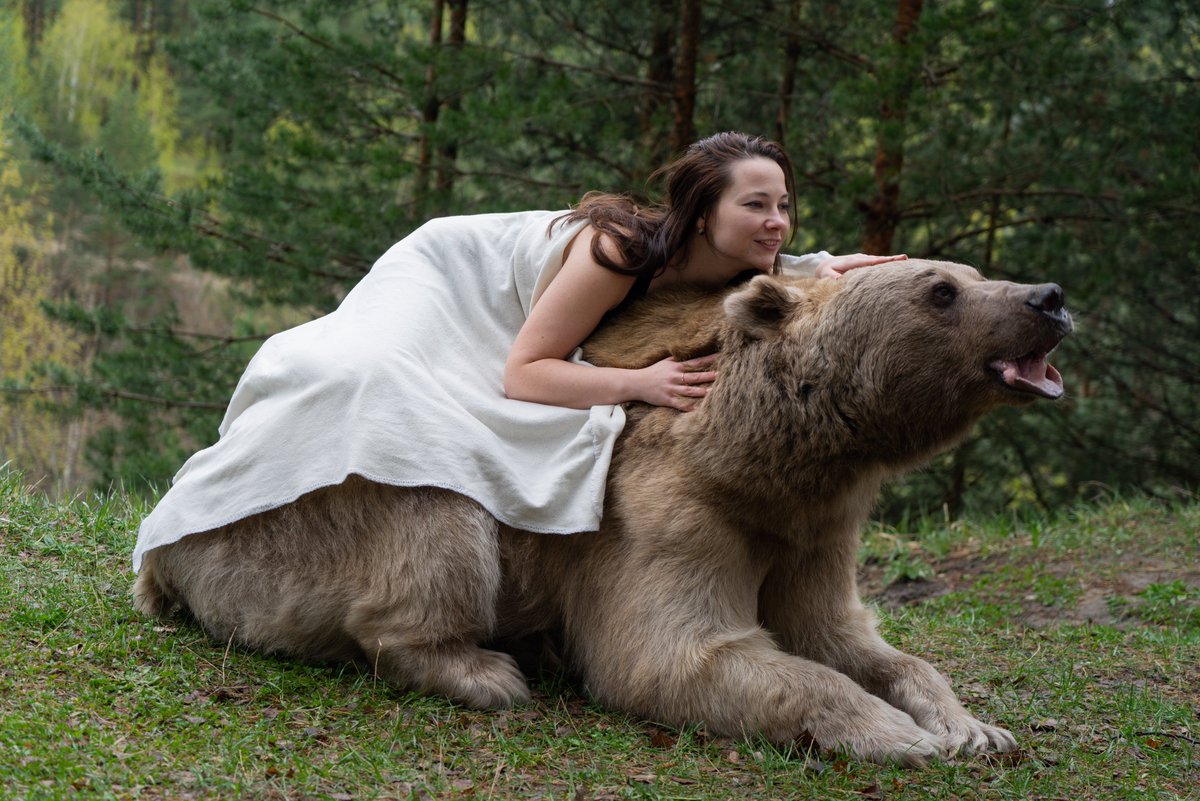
(568,311)
(825,265)
(837,266)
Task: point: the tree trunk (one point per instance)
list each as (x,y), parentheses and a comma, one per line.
(146,26)
(989,247)
(955,495)
(791,62)
(660,76)
(430,106)
(683,129)
(144,44)
(448,154)
(35,23)
(883,210)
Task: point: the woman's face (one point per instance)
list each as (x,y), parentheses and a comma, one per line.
(749,223)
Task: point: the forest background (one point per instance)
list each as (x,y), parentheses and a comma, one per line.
(179,180)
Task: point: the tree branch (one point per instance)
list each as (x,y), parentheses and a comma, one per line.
(321,43)
(545,61)
(938,247)
(923,207)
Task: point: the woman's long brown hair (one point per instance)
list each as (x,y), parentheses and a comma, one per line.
(649,237)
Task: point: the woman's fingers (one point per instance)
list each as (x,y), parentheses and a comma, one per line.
(837,266)
(698,377)
(681,384)
(858,260)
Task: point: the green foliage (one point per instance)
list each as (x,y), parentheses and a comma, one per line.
(1171,603)
(1010,135)
(1052,173)
(15,79)
(88,87)
(85,60)
(33,431)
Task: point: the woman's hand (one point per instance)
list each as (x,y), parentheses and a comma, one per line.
(679,385)
(837,266)
(570,308)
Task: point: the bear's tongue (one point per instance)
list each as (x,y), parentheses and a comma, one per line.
(1031,373)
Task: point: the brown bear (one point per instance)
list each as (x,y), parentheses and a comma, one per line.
(720,588)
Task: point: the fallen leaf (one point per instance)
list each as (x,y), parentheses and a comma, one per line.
(661,739)
(1008,759)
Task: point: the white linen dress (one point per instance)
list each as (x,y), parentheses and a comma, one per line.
(403,384)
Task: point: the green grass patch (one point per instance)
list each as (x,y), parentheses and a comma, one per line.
(1080,634)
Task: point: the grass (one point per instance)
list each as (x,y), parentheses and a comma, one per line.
(1081,634)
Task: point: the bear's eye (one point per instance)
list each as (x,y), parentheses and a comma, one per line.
(944,293)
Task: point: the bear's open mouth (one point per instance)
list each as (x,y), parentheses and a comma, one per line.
(1030,373)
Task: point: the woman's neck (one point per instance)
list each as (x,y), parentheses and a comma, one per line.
(698,263)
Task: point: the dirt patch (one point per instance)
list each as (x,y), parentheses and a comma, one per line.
(1072,588)
(910,591)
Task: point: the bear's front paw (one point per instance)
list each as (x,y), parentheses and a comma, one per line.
(966,734)
(927,696)
(881,733)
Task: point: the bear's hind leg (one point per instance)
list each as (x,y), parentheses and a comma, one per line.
(149,597)
(461,671)
(431,599)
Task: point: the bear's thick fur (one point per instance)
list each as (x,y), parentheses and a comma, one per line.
(721,586)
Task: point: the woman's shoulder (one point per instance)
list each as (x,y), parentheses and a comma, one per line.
(491,227)
(586,236)
(487,220)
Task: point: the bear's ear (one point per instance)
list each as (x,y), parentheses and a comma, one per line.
(763,307)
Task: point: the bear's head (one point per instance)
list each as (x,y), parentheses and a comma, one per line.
(898,360)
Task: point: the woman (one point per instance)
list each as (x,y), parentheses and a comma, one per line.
(452,363)
(728,210)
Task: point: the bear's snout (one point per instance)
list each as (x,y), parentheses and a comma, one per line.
(1047,299)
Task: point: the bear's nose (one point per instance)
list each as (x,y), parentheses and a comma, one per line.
(1048,300)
